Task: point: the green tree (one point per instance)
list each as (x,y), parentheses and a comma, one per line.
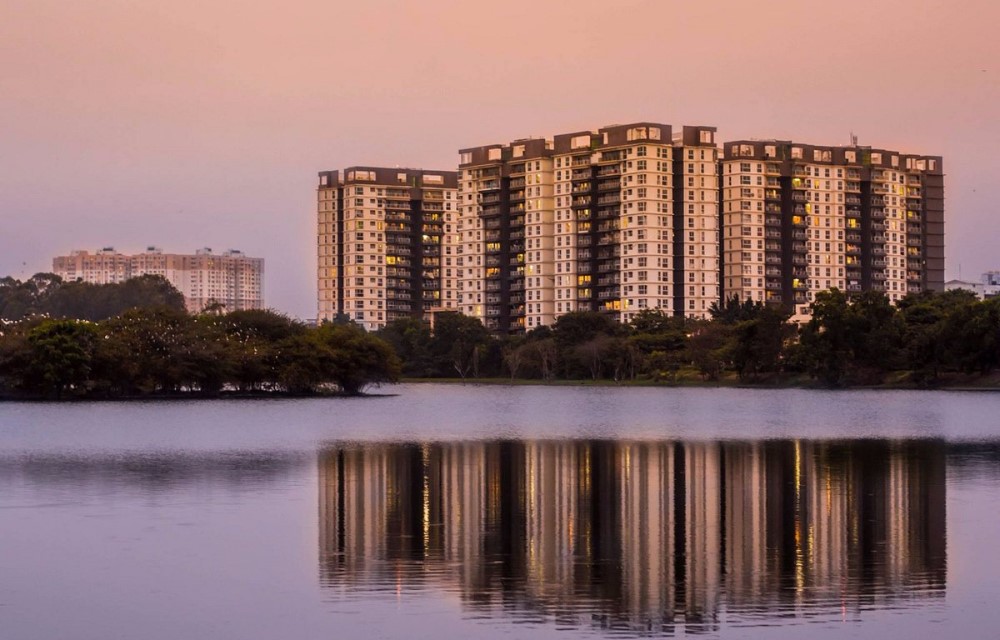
(60,356)
(254,342)
(733,311)
(354,359)
(457,344)
(758,347)
(143,351)
(825,338)
(710,348)
(410,338)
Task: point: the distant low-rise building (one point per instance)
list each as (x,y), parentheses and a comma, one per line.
(231,279)
(987,287)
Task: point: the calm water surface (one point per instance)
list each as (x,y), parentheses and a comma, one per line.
(513,512)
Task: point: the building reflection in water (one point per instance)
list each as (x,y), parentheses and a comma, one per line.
(640,535)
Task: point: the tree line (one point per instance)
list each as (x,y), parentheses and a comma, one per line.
(924,340)
(135,339)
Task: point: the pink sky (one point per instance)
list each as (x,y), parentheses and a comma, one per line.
(203,123)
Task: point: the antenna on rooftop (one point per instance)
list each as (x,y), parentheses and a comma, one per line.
(854,140)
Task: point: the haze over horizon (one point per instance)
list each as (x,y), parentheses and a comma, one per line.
(191,124)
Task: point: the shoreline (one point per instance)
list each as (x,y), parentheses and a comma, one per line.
(988,384)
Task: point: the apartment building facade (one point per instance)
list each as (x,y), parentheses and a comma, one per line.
(616,220)
(204,278)
(798,219)
(382,244)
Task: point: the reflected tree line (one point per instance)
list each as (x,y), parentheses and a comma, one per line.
(640,535)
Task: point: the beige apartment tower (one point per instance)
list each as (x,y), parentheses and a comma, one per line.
(799,219)
(382,244)
(616,220)
(231,279)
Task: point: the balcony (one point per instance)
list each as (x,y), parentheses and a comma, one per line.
(798,196)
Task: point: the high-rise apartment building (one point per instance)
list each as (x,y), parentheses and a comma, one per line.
(616,220)
(381,243)
(799,219)
(230,279)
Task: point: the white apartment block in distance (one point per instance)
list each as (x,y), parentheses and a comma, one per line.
(382,244)
(231,279)
(616,220)
(800,219)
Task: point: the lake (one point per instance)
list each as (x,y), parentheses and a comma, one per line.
(457,511)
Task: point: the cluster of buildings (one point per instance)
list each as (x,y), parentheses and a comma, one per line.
(230,279)
(626,218)
(640,534)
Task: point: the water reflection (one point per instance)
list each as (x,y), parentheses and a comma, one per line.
(153,471)
(641,536)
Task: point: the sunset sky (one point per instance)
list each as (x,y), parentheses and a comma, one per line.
(197,123)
